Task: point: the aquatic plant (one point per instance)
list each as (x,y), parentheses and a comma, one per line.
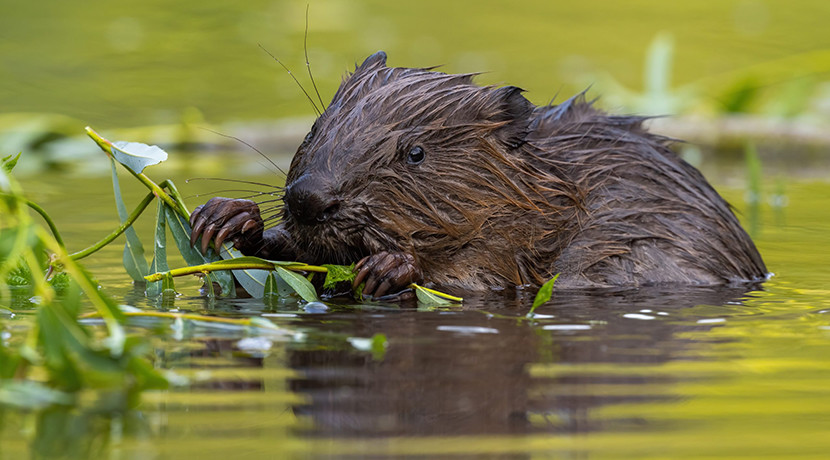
(59,355)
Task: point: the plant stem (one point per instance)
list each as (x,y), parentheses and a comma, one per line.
(207,268)
(108,239)
(177,197)
(107,146)
(49,222)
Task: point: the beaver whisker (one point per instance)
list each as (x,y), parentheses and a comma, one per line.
(238,181)
(252,193)
(271,207)
(307,63)
(228,136)
(313,104)
(276,209)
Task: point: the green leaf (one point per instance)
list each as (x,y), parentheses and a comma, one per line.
(136,155)
(337,274)
(544,294)
(430,297)
(159,263)
(210,294)
(276,287)
(146,376)
(31,395)
(299,283)
(53,338)
(9,163)
(134,261)
(253,281)
(168,285)
(61,282)
(180,230)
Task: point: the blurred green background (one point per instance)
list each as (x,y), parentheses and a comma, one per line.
(64,65)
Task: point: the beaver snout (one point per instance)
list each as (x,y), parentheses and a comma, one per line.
(309,202)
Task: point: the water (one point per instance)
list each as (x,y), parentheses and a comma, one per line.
(696,373)
(643,373)
(139,62)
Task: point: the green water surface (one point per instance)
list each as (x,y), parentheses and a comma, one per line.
(639,374)
(646,373)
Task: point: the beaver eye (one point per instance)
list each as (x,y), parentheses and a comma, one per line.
(416,155)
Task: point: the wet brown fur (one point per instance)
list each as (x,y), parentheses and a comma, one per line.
(509,193)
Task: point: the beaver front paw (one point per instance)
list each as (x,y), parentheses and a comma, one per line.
(386,272)
(229,219)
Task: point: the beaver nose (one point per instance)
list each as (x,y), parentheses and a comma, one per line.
(310,203)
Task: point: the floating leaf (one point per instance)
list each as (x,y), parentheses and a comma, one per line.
(544,294)
(428,296)
(299,283)
(134,261)
(136,155)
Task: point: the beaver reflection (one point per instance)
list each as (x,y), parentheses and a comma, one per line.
(466,373)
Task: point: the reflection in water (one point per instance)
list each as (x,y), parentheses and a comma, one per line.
(469,372)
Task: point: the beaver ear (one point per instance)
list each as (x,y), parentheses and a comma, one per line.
(514,111)
(376,60)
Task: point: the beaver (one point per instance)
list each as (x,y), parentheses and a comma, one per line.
(419,175)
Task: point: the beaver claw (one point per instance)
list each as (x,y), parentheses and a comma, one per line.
(229,219)
(386,272)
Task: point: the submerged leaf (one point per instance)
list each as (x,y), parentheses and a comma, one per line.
(544,294)
(136,155)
